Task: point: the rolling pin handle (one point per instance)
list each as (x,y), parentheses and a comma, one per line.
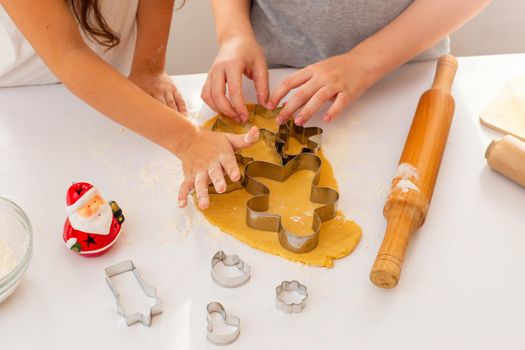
(446,70)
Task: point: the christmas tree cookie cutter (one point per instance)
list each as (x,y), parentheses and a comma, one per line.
(290,286)
(229,260)
(257,215)
(230,320)
(129,266)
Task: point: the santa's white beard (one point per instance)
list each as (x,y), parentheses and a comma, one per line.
(98,223)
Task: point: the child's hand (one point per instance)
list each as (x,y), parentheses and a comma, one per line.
(161,87)
(340,79)
(209,156)
(237,56)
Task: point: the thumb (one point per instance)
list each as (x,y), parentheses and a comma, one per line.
(243,141)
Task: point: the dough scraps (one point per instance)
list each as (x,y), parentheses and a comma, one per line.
(290,199)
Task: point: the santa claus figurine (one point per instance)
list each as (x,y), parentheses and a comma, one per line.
(93,225)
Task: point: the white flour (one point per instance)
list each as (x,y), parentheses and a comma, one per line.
(7,259)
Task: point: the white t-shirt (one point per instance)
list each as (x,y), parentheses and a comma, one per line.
(20,65)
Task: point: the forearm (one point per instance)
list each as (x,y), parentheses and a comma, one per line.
(232,18)
(153,27)
(106,90)
(420,26)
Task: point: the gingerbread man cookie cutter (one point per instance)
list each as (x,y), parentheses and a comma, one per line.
(129,266)
(229,260)
(291,286)
(310,137)
(230,320)
(257,215)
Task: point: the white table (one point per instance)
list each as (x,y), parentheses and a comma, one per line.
(462,285)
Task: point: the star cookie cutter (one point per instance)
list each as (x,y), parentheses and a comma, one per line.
(257,216)
(290,286)
(230,320)
(229,260)
(128,266)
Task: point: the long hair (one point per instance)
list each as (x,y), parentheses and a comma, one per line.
(93,23)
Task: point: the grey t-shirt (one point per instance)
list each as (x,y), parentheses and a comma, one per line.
(297,33)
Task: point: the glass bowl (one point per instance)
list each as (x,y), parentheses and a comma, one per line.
(16,246)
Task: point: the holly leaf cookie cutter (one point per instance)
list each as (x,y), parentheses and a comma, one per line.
(290,286)
(129,266)
(229,260)
(257,215)
(230,320)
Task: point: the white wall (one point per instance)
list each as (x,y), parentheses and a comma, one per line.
(499,29)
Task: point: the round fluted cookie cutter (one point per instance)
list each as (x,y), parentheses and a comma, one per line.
(229,260)
(291,286)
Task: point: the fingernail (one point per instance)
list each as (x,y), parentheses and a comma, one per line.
(270,106)
(234,175)
(326,118)
(279,120)
(299,121)
(203,203)
(182,203)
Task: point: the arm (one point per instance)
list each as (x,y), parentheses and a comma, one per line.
(239,53)
(345,77)
(148,68)
(52,31)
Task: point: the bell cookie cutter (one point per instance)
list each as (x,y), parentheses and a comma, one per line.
(257,216)
(291,286)
(229,260)
(230,320)
(128,266)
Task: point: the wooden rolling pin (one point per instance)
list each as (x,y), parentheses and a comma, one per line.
(407,204)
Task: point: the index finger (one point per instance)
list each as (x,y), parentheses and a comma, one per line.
(296,79)
(234,80)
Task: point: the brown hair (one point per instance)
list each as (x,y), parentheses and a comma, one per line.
(88,15)
(93,23)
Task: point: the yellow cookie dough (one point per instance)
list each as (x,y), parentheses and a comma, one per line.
(290,199)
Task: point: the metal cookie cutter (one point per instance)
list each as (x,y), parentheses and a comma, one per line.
(229,260)
(310,137)
(257,216)
(128,266)
(230,320)
(291,286)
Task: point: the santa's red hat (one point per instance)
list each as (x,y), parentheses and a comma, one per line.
(79,194)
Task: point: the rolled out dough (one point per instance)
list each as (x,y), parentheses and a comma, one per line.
(506,112)
(338,237)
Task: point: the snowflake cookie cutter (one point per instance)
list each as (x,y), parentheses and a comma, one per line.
(129,266)
(257,215)
(230,320)
(291,286)
(229,260)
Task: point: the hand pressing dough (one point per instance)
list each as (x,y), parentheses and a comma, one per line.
(506,112)
(507,156)
(290,199)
